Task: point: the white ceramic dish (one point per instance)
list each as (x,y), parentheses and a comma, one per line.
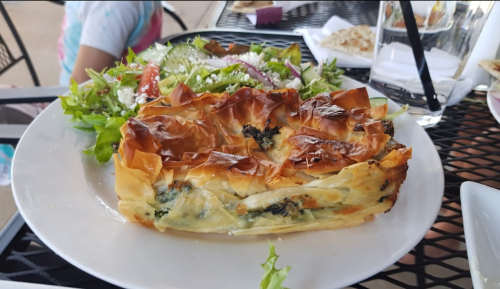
(313,37)
(69,202)
(482,233)
(493,100)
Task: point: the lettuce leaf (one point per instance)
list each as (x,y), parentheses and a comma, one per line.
(257,48)
(96,109)
(293,54)
(108,138)
(279,68)
(332,73)
(273,278)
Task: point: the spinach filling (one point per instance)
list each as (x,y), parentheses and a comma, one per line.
(159,214)
(173,191)
(263,138)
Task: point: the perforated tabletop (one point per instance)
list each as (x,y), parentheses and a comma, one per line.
(306,16)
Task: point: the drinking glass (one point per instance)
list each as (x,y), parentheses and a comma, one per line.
(448,31)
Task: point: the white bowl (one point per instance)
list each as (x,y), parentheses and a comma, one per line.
(481,215)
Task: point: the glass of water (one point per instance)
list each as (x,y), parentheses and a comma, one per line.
(447,30)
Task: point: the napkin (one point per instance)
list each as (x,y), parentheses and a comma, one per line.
(313,36)
(286,6)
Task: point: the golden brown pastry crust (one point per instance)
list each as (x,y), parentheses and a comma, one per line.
(258,162)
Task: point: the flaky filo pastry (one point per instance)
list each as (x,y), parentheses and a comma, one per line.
(258,162)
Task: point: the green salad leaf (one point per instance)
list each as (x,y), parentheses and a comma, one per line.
(96,108)
(199,42)
(293,54)
(257,48)
(108,139)
(273,278)
(332,73)
(279,68)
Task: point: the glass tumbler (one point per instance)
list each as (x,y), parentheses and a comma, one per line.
(448,31)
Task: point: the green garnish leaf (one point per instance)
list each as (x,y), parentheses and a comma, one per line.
(273,278)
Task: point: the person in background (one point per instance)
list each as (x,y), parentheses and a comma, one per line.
(95,34)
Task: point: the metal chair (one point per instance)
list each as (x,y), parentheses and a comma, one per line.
(7,60)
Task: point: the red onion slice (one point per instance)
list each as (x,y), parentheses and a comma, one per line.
(253,71)
(293,69)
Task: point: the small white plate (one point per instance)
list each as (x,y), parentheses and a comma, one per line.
(481,216)
(313,36)
(493,100)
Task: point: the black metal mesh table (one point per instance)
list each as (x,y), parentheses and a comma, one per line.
(306,16)
(467,140)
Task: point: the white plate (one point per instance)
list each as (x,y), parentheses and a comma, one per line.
(494,101)
(69,202)
(482,234)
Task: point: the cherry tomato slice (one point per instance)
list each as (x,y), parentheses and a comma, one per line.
(149,81)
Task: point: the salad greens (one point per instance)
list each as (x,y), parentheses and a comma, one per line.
(96,107)
(273,278)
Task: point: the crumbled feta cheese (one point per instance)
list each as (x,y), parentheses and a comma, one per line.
(133,65)
(157,78)
(142,99)
(145,88)
(198,78)
(159,46)
(252,58)
(246,77)
(213,76)
(126,95)
(295,84)
(209,81)
(192,59)
(182,68)
(276,79)
(123,112)
(274,60)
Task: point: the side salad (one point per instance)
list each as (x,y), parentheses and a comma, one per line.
(105,104)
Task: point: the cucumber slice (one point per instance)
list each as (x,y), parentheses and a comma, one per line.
(155,53)
(308,75)
(179,55)
(378,101)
